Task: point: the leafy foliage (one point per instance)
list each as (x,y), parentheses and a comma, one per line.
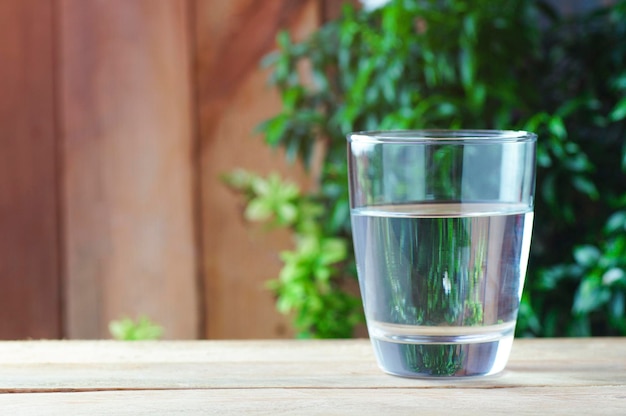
(456,64)
(304,284)
(142,329)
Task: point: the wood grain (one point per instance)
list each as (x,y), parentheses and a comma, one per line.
(125,95)
(29,235)
(554,376)
(533,401)
(343,364)
(233,97)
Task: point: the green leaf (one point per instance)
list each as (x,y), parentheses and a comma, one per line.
(239,179)
(616,222)
(291,97)
(619,111)
(292,149)
(287,213)
(127,329)
(467,65)
(613,275)
(333,251)
(284,304)
(469,26)
(478,94)
(556,127)
(283,39)
(446,109)
(543,157)
(587,255)
(586,186)
(590,296)
(270,59)
(535,121)
(577,162)
(258,210)
(340,214)
(274,129)
(617,306)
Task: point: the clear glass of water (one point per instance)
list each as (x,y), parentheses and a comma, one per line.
(441,224)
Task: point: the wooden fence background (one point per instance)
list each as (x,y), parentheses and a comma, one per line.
(116,119)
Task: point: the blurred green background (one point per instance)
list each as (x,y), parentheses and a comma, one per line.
(519,64)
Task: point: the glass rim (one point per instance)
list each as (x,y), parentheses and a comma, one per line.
(441,136)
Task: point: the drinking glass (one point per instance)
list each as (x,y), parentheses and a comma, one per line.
(441,222)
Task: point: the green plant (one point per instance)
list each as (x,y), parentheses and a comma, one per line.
(143,328)
(580,188)
(481,64)
(304,284)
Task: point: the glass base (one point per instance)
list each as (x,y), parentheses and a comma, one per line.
(428,360)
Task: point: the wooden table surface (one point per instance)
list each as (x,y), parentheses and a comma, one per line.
(544,376)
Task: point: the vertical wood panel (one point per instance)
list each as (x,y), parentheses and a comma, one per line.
(331,9)
(29,270)
(126,121)
(231,38)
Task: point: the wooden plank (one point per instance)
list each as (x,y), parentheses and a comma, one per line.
(126,119)
(607,400)
(558,376)
(346,364)
(29,240)
(233,97)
